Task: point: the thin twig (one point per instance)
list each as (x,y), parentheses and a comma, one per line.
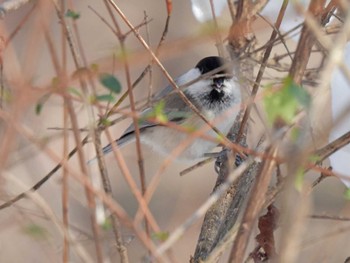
(330,217)
(140,159)
(114,207)
(41,203)
(320,178)
(76,134)
(305,44)
(218,39)
(195,166)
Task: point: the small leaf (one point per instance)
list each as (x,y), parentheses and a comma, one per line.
(160,236)
(107,224)
(105,122)
(301,95)
(91,99)
(110,82)
(5,95)
(159,112)
(347,194)
(72,14)
(285,102)
(220,137)
(36,231)
(39,106)
(74,91)
(94,67)
(299,179)
(55,81)
(314,158)
(295,133)
(105,97)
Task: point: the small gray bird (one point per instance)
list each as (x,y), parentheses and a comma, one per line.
(212,89)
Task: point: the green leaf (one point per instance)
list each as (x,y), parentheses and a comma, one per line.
(160,236)
(107,224)
(94,67)
(105,122)
(295,133)
(110,82)
(55,81)
(314,158)
(72,14)
(39,106)
(36,231)
(285,102)
(5,95)
(159,112)
(300,94)
(221,137)
(105,97)
(347,194)
(75,92)
(299,179)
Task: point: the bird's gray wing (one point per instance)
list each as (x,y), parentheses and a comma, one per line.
(175,110)
(163,93)
(129,133)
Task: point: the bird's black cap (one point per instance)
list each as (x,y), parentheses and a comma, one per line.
(211,63)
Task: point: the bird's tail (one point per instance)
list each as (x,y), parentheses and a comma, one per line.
(121,142)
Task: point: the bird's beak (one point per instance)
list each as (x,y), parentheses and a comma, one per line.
(218,83)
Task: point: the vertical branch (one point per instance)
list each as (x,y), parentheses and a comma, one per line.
(123,253)
(262,69)
(77,138)
(2,86)
(295,212)
(221,217)
(121,39)
(65,189)
(140,161)
(150,71)
(218,40)
(306,42)
(254,206)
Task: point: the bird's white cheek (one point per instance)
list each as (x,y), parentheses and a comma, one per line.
(232,88)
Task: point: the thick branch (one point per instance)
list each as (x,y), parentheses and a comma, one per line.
(305,44)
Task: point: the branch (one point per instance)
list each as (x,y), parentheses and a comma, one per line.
(42,181)
(255,204)
(305,44)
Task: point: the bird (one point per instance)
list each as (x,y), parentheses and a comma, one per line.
(215,92)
